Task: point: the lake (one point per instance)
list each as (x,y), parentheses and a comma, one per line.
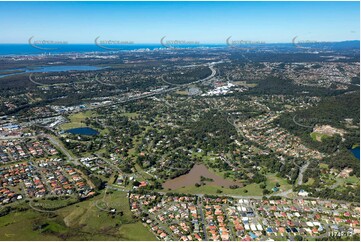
(194,176)
(356,152)
(63,68)
(52,69)
(83,131)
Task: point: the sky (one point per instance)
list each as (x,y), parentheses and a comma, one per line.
(204,22)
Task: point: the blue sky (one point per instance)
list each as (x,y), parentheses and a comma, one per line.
(206,22)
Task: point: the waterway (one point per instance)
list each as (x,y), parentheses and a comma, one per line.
(50,69)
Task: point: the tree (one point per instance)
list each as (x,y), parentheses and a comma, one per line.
(265,191)
(298,238)
(158,185)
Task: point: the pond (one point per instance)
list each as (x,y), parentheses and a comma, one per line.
(356,152)
(194,176)
(83,131)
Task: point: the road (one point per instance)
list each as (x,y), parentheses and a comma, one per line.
(75,161)
(134,98)
(60,146)
(199,205)
(52,140)
(300,175)
(38,209)
(15,137)
(233,123)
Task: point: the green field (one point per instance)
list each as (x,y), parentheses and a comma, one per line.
(318,137)
(136,231)
(80,221)
(351,180)
(19,226)
(131,115)
(77,120)
(252,189)
(323,166)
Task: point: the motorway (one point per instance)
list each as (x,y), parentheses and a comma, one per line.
(134,98)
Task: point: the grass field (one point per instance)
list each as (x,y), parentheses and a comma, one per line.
(53,204)
(130,115)
(80,221)
(272,179)
(310,181)
(248,190)
(253,190)
(323,166)
(19,226)
(318,137)
(136,231)
(351,180)
(77,119)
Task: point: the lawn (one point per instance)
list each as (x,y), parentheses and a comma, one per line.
(272,179)
(77,120)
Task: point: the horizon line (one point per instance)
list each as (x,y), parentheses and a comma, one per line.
(195,44)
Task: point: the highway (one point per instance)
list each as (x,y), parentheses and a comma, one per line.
(134,98)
